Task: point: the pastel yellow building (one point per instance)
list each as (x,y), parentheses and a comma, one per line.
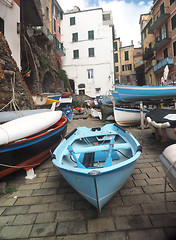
(124,63)
(147,44)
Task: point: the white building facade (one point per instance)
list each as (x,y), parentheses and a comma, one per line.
(9,21)
(88,40)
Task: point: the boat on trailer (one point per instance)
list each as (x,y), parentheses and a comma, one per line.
(132,93)
(27,146)
(162,122)
(97,162)
(128,116)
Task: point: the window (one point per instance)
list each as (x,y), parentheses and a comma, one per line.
(59,29)
(116,57)
(81,92)
(126,67)
(90,73)
(54,25)
(165,53)
(75,54)
(174,48)
(150,79)
(81,85)
(97,90)
(74,37)
(162,8)
(173,22)
(90,35)
(163,32)
(116,68)
(91,52)
(1,25)
(126,56)
(72,21)
(171,2)
(115,46)
(106,17)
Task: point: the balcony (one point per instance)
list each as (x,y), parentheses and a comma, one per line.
(148,53)
(59,48)
(32,12)
(159,19)
(161,42)
(158,68)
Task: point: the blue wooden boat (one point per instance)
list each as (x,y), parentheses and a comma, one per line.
(131,93)
(97,162)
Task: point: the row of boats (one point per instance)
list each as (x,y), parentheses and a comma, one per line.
(95,161)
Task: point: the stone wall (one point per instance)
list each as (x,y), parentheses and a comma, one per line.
(12,86)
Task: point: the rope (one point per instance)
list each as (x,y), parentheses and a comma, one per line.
(165,183)
(10,166)
(13,101)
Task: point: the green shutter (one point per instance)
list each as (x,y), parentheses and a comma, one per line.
(126,56)
(54,24)
(91,52)
(90,34)
(72,21)
(75,54)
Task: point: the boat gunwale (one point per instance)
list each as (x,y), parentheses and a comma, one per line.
(58,162)
(35,138)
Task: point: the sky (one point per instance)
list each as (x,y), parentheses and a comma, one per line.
(126,15)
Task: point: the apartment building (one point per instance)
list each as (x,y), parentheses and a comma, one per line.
(125,60)
(163,27)
(89,60)
(52,17)
(147,44)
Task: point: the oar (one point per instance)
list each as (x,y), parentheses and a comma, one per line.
(108,161)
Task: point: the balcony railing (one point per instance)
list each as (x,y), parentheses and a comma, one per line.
(159,18)
(59,47)
(161,42)
(148,53)
(158,68)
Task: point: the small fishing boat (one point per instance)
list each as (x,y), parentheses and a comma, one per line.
(11,115)
(106,99)
(64,102)
(41,100)
(162,122)
(128,116)
(97,162)
(30,140)
(131,93)
(168,161)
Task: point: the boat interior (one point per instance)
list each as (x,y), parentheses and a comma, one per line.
(97,151)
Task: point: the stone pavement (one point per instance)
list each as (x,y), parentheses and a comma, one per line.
(47,208)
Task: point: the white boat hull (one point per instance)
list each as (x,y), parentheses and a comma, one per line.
(127,116)
(27,126)
(169,163)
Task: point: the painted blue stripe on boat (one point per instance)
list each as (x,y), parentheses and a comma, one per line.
(31,142)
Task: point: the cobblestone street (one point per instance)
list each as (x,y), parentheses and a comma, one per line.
(47,208)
